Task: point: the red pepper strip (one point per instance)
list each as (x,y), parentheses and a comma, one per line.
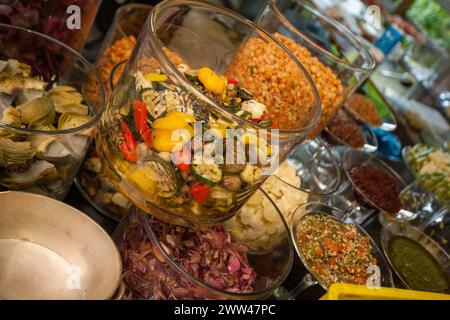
(128,146)
(140,121)
(200,192)
(232,81)
(183,159)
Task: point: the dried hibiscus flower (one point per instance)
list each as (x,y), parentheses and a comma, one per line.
(207,254)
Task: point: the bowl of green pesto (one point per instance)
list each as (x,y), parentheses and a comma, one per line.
(419,262)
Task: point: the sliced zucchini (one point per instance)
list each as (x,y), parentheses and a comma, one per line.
(251,174)
(219,197)
(168,179)
(209,173)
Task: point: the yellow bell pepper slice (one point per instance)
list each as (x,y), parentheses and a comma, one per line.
(186,117)
(173,120)
(212,82)
(145,180)
(166,140)
(169,123)
(155,77)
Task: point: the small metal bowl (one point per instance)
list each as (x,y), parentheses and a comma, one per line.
(384,275)
(370,140)
(354,157)
(49,250)
(395,228)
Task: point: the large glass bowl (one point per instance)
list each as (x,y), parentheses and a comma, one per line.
(154,274)
(337,59)
(197,35)
(384,273)
(92,181)
(55,155)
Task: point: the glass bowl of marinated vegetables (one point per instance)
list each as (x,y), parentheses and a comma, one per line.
(335,250)
(183,136)
(419,261)
(47,122)
(163,261)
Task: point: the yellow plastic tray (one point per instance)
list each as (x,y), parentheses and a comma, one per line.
(343,291)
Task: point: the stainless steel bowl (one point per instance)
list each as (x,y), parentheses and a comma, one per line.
(384,275)
(49,250)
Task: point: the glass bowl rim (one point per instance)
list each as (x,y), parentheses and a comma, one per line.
(125,9)
(167,65)
(265,293)
(360,229)
(314,193)
(90,67)
(356,41)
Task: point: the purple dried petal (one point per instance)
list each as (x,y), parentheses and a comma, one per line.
(234,264)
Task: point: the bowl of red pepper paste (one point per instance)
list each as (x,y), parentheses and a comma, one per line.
(375,183)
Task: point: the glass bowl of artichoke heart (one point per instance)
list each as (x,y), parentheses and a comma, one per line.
(46,121)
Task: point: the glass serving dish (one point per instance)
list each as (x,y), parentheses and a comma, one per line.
(151,272)
(430,167)
(317,168)
(92,181)
(370,140)
(371,93)
(170,115)
(353,158)
(55,19)
(395,229)
(383,276)
(345,198)
(44,155)
(337,59)
(120,40)
(438,228)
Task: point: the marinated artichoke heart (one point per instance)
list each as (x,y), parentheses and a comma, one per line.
(39,111)
(49,148)
(16,76)
(39,161)
(38,172)
(14,152)
(72,120)
(11,117)
(67,99)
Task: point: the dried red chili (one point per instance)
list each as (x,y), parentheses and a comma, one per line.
(378,186)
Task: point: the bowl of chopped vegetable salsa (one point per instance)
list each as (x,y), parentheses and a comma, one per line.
(418,260)
(335,251)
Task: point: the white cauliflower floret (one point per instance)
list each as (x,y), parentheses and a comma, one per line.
(255,108)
